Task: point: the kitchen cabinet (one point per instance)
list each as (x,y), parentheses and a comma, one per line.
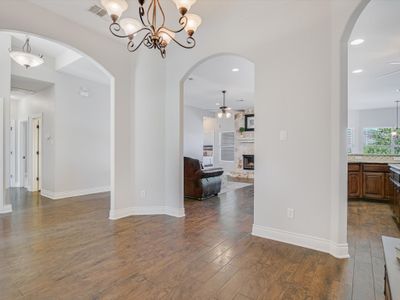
(369,181)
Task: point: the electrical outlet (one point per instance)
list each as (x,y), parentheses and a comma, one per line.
(143,194)
(290,213)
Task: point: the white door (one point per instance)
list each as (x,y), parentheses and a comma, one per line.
(13,150)
(23,154)
(36,153)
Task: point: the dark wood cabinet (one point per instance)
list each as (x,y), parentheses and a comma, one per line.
(354,185)
(369,181)
(374,185)
(389,187)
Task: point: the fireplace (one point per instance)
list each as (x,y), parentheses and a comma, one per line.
(248,162)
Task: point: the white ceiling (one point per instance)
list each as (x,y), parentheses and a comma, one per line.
(379,26)
(66,60)
(22,87)
(215,75)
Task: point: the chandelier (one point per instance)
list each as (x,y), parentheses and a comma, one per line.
(25,58)
(152,34)
(225,110)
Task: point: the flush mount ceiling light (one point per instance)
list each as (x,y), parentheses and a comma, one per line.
(235,70)
(357,42)
(358,71)
(25,58)
(224,113)
(394,63)
(152,35)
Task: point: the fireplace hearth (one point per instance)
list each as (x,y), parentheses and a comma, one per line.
(248,162)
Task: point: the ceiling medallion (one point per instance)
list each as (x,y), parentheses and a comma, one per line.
(152,35)
(25,58)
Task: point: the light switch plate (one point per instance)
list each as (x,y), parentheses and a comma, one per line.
(283,135)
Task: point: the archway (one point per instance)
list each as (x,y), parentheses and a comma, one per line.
(233,67)
(75,55)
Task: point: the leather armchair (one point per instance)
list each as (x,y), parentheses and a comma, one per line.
(201,183)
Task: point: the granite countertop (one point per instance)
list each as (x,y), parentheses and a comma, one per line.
(377,159)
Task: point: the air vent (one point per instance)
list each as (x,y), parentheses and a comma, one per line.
(97,10)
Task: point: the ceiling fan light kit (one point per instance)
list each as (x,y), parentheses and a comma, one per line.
(147,31)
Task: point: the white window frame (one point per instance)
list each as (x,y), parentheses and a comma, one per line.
(220,146)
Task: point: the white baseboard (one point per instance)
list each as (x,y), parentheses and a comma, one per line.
(6,209)
(302,240)
(146,211)
(76,193)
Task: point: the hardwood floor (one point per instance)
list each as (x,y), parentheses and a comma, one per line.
(68,249)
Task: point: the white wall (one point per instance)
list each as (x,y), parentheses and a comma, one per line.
(298,89)
(5,84)
(369,118)
(193,132)
(82,135)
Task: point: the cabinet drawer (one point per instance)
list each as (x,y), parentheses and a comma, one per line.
(354,167)
(383,168)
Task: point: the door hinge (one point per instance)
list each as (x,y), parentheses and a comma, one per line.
(37,178)
(37,126)
(37,152)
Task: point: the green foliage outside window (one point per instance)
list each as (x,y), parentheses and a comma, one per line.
(380,141)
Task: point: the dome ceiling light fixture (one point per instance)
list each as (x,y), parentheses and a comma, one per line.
(225,110)
(152,35)
(25,58)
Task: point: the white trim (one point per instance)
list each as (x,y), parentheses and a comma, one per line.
(302,240)
(76,193)
(6,209)
(116,214)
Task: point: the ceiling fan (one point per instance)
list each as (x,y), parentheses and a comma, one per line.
(224,110)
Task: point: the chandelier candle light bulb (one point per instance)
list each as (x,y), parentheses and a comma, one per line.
(130,26)
(193,22)
(184,5)
(150,29)
(115,8)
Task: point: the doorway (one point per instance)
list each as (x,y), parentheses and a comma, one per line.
(36,153)
(218,130)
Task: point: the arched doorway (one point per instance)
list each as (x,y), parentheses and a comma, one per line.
(70,61)
(221,140)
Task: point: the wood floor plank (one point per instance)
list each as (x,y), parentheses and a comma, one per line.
(68,249)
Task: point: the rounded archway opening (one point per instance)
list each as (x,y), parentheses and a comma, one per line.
(71,96)
(217,110)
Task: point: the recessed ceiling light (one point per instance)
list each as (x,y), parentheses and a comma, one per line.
(394,63)
(358,71)
(218,104)
(235,70)
(357,42)
(398,90)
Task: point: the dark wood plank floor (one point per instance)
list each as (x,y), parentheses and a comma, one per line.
(68,249)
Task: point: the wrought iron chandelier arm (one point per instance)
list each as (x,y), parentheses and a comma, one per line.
(162,13)
(190,41)
(148,15)
(131,45)
(182,21)
(115,28)
(141,14)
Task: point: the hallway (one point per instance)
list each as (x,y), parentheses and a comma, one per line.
(68,249)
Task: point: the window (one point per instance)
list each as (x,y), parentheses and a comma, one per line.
(227,142)
(350,141)
(380,141)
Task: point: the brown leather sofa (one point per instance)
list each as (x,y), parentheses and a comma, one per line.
(201,183)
